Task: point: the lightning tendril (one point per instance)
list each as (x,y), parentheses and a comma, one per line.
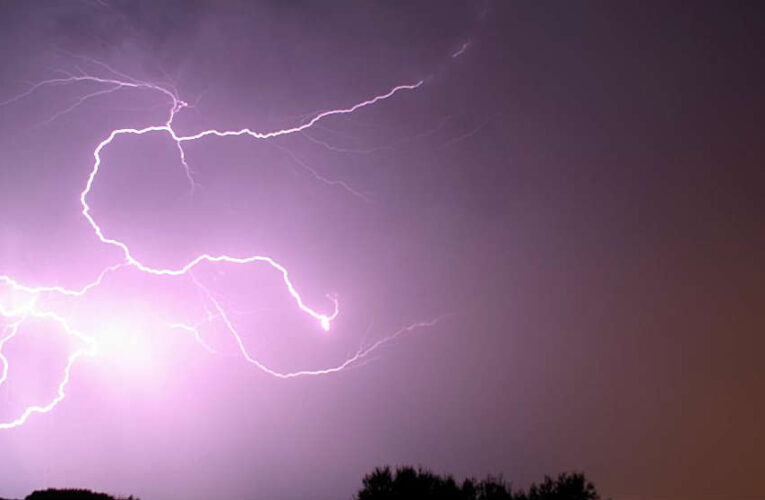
(22,302)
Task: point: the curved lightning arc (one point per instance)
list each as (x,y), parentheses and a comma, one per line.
(33,297)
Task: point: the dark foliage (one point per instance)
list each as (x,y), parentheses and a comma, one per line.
(71,494)
(568,486)
(408,483)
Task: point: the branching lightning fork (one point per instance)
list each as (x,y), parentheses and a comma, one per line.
(33,298)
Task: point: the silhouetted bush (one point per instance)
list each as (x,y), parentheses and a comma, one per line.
(71,494)
(408,483)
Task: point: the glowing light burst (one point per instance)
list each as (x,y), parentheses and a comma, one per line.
(21,302)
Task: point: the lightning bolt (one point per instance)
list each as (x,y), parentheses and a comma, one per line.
(23,302)
(463,48)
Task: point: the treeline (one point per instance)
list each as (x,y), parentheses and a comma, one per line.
(73,494)
(407,483)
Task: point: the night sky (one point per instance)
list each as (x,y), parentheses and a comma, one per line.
(572,200)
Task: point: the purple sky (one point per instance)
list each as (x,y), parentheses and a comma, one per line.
(575,192)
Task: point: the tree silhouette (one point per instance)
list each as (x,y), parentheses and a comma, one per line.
(494,488)
(568,486)
(408,483)
(71,494)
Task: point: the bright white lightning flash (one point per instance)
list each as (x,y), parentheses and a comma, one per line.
(21,302)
